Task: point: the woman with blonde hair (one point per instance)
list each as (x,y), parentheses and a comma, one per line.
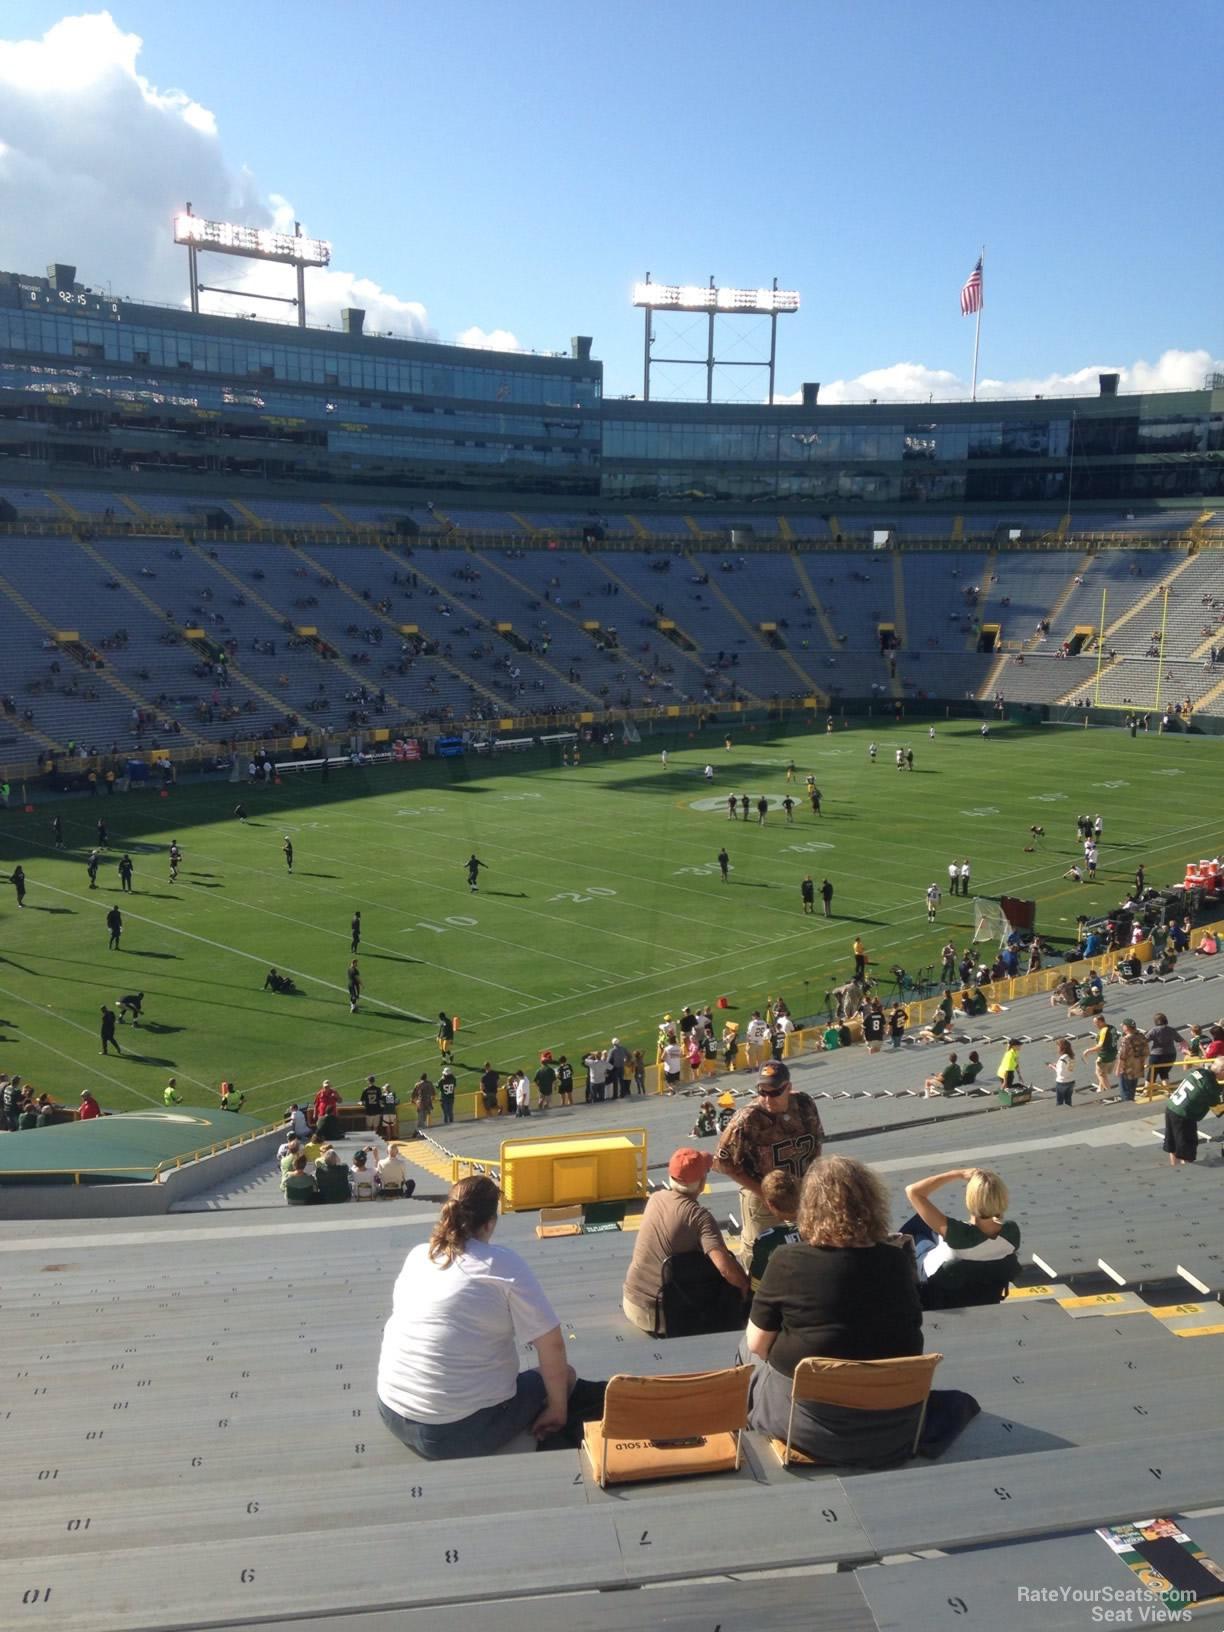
(963,1263)
(449,1382)
(845,1290)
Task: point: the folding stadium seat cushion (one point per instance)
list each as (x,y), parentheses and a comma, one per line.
(669,1427)
(871,1387)
(363,1190)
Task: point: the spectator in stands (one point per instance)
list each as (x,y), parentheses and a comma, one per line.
(332,1178)
(944,1082)
(961,1264)
(1198,1092)
(296,1123)
(89,1106)
(1162,1041)
(1106,1050)
(781,1127)
(1063,1067)
(1132,1059)
(846,1291)
(972,1068)
(780,1193)
(449,1383)
(488,1089)
(391,1171)
(299,1183)
(681,1279)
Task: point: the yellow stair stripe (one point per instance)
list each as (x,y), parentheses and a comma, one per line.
(809,589)
(958,530)
(991,683)
(639,530)
(787,531)
(245,511)
(72,513)
(528,527)
(834,527)
(136,509)
(334,510)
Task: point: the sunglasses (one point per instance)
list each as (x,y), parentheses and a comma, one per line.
(772,1093)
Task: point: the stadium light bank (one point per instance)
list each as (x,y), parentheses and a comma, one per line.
(197,235)
(715,302)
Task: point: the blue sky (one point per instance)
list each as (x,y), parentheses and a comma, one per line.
(517,167)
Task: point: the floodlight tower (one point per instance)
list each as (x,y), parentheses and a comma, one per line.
(715,303)
(253,243)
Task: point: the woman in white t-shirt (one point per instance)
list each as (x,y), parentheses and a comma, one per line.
(449,1383)
(959,1262)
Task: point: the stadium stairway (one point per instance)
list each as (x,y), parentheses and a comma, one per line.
(809,589)
(629,567)
(555,688)
(784,661)
(280,618)
(327,560)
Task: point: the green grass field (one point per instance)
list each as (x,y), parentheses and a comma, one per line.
(602,906)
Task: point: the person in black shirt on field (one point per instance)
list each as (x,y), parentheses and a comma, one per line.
(91,867)
(57,829)
(132,1004)
(724,864)
(744,805)
(488,1088)
(103,840)
(108,1030)
(474,864)
(826,896)
(356,928)
(807,893)
(354,986)
(125,873)
(815,796)
(788,805)
(114,922)
(17,879)
(287,847)
(240,812)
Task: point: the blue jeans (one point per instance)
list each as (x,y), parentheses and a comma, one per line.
(1126,1087)
(924,1239)
(482,1433)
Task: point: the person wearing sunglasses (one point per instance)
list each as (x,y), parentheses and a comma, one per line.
(781,1128)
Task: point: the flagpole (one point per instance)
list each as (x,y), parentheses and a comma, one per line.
(977,331)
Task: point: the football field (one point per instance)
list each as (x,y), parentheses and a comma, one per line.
(601,906)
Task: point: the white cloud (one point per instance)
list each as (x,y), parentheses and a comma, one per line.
(914,382)
(488,339)
(95,161)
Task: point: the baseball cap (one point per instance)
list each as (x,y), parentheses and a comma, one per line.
(774,1078)
(689,1167)
(1130,1023)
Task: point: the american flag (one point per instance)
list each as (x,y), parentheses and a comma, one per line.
(971,294)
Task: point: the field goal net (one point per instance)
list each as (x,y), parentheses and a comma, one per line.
(989,921)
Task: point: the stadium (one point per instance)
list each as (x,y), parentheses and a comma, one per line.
(337,614)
